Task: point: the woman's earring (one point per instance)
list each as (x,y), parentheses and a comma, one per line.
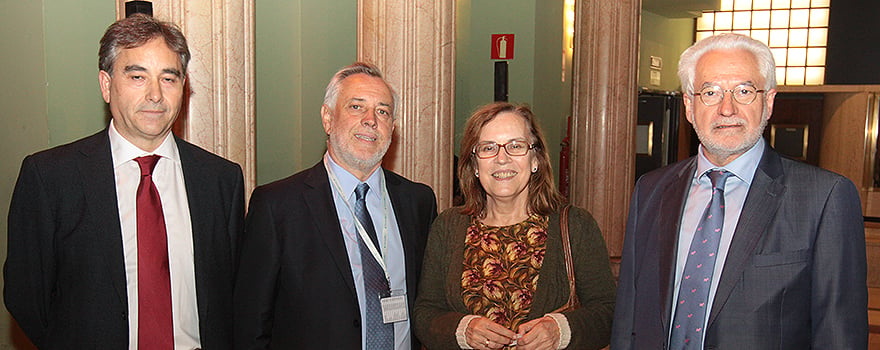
(535,170)
(477,173)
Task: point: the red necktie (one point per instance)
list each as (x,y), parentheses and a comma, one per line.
(155,329)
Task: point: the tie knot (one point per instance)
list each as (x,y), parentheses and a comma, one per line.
(718,178)
(360,192)
(147,164)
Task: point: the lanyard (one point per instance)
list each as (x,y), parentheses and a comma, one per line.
(360,227)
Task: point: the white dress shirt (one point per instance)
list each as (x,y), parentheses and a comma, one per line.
(391,245)
(169,181)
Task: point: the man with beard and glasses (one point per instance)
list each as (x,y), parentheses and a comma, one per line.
(331,255)
(738,247)
(127,239)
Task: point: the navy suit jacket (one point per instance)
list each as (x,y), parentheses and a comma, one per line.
(795,274)
(65,280)
(294,288)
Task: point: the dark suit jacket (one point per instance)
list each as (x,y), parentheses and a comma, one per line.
(795,274)
(65,279)
(294,288)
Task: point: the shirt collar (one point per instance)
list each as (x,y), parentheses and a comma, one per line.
(124,151)
(348,182)
(743,167)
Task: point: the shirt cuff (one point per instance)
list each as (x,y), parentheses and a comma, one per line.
(564,329)
(462,327)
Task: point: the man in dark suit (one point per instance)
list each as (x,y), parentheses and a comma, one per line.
(778,261)
(315,246)
(86,269)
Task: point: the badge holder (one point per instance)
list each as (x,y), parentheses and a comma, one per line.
(394,307)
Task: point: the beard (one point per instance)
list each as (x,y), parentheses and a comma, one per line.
(719,149)
(348,155)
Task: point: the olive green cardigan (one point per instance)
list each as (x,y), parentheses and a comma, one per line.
(439,306)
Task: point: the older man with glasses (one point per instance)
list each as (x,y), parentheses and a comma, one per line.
(738,247)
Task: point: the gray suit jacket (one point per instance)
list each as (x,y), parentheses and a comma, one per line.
(795,274)
(64,275)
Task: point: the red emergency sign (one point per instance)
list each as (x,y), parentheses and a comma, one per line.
(502,46)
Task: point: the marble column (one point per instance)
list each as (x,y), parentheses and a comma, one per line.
(412,41)
(604,96)
(220,117)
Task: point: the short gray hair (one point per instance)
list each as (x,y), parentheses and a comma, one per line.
(332,91)
(687,64)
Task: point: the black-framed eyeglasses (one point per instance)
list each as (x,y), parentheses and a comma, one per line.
(742,94)
(490,149)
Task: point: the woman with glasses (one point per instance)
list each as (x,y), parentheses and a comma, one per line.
(494,273)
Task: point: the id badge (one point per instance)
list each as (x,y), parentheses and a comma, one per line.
(394,308)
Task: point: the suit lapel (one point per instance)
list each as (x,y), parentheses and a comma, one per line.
(669,225)
(405,224)
(197,196)
(762,201)
(96,170)
(319,200)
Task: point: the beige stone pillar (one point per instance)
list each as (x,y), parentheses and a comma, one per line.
(412,42)
(220,117)
(604,93)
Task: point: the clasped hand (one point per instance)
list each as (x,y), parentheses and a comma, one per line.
(541,333)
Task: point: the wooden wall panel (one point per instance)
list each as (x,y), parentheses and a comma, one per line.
(797,110)
(843,141)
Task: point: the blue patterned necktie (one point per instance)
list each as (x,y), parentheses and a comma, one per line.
(693,294)
(379,334)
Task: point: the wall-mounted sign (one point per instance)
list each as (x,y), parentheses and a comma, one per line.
(656,62)
(502,46)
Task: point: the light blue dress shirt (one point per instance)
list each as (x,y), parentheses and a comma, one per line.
(735,191)
(391,245)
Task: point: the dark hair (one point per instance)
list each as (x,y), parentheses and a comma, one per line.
(135,31)
(332,91)
(544,198)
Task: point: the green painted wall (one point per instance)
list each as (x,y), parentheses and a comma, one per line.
(665,38)
(534,73)
(552,101)
(73,31)
(299,45)
(474,82)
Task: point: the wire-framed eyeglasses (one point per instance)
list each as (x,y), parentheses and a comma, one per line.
(742,94)
(485,150)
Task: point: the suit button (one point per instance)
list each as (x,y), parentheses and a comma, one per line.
(124,316)
(357,323)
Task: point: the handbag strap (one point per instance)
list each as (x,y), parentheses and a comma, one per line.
(566,249)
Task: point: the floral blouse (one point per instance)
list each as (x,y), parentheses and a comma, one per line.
(501,269)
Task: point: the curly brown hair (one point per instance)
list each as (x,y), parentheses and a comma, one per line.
(544,198)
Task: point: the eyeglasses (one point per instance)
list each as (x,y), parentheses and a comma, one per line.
(487,150)
(713,95)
